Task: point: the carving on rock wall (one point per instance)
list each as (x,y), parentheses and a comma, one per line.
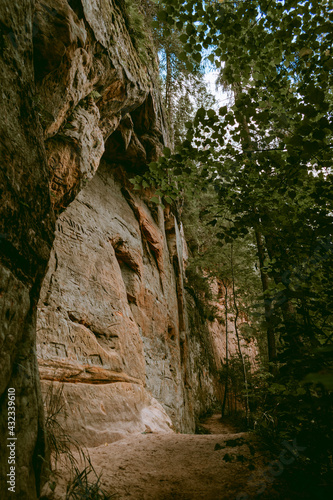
(52,138)
(110,296)
(80,113)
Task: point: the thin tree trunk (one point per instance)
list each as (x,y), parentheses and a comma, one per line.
(226,353)
(168,94)
(238,338)
(271,343)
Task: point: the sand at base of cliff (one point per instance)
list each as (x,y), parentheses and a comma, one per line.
(225,465)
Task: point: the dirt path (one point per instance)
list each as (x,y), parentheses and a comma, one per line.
(214,425)
(182,466)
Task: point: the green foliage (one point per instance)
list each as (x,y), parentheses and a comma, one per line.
(268,156)
(86,484)
(204,219)
(191,95)
(177,68)
(297,410)
(135,17)
(280,130)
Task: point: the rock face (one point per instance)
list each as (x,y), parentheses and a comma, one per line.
(26,235)
(112,310)
(80,114)
(109,316)
(69,77)
(113,324)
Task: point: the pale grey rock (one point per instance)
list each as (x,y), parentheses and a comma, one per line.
(113,324)
(50,64)
(110,299)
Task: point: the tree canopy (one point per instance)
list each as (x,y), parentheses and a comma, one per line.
(267,157)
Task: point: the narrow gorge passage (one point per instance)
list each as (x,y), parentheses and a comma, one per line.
(223,465)
(166,249)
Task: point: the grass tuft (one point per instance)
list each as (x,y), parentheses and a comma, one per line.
(85,484)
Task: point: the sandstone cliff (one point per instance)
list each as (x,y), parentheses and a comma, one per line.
(58,59)
(81,113)
(74,89)
(112,319)
(109,322)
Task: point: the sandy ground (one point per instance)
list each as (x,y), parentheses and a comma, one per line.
(215,466)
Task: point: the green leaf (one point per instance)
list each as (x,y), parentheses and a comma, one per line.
(201,113)
(223,111)
(190,29)
(167,152)
(277,388)
(305,52)
(153,165)
(162,15)
(197,57)
(183,57)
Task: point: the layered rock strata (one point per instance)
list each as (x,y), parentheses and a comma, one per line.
(26,234)
(70,76)
(80,114)
(109,316)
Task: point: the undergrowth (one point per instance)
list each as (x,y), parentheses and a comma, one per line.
(198,286)
(60,444)
(85,483)
(136,25)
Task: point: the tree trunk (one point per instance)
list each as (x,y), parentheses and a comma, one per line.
(168,94)
(226,354)
(271,343)
(268,303)
(238,339)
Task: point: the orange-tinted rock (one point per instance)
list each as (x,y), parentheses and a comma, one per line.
(53,130)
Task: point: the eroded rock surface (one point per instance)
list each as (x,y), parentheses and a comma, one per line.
(112,309)
(109,312)
(80,114)
(69,75)
(26,235)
